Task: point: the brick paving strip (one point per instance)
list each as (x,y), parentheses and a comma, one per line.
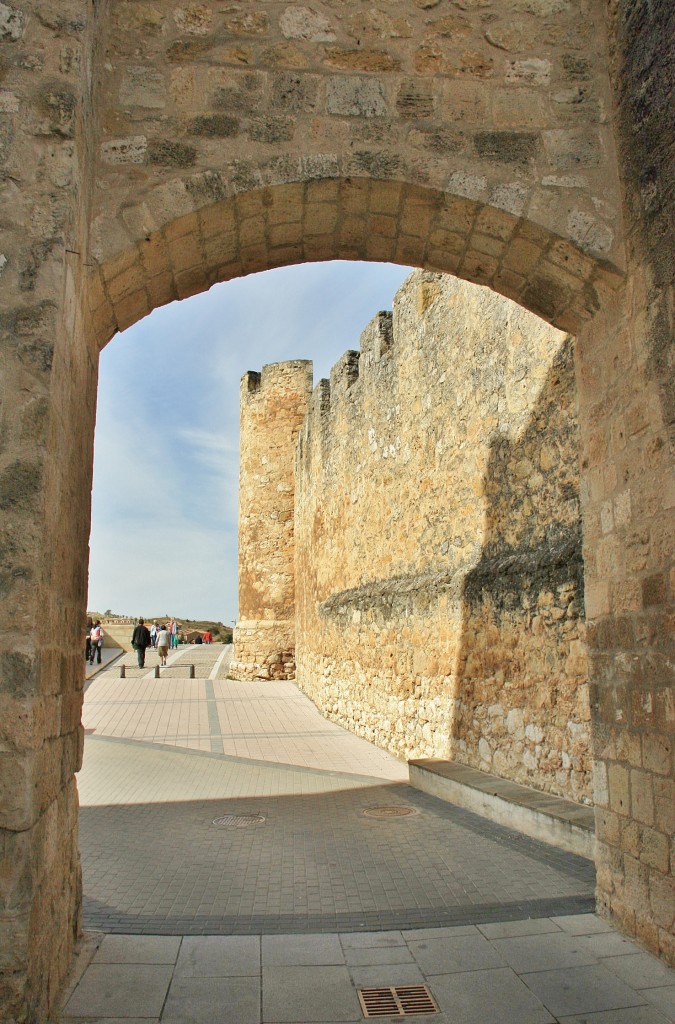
(283,920)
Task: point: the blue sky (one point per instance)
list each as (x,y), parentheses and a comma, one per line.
(166,462)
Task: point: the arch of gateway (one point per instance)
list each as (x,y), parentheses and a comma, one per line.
(151,148)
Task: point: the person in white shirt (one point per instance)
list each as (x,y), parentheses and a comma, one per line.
(163,641)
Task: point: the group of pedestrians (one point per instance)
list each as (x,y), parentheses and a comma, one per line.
(171,627)
(160,637)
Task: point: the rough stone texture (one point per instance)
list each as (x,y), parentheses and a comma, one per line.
(417,137)
(627,406)
(438,540)
(99,178)
(273,405)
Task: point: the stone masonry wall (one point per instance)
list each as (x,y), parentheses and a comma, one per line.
(273,405)
(626,370)
(458,135)
(438,543)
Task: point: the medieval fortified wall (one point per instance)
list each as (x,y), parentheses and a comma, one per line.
(439,601)
(273,406)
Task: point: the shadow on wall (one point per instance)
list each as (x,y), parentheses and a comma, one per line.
(521,685)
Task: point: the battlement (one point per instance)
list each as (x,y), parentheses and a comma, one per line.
(276,381)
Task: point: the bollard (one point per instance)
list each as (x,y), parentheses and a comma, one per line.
(156,671)
(192,671)
(123,671)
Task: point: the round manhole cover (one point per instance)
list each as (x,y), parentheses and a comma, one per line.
(238,820)
(397,811)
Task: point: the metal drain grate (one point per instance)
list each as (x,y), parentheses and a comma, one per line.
(238,820)
(395,811)
(399,1001)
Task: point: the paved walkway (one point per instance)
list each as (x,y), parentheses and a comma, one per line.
(231,856)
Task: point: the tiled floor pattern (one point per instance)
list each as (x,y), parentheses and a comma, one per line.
(570,970)
(282,921)
(266,721)
(154,862)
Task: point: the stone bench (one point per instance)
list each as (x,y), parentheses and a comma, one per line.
(551,819)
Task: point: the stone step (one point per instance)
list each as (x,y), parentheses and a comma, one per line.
(551,819)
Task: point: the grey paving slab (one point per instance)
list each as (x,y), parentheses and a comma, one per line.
(301,950)
(138,949)
(376,976)
(663,998)
(358,940)
(219,956)
(582,990)
(582,924)
(121,990)
(378,955)
(206,1000)
(481,997)
(298,995)
(440,933)
(527,953)
(508,929)
(609,944)
(632,1015)
(453,955)
(108,1020)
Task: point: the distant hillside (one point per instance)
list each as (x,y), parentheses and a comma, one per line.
(217,629)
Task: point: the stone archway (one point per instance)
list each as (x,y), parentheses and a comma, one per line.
(148,153)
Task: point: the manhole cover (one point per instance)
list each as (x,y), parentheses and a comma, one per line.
(238,820)
(396,811)
(399,1001)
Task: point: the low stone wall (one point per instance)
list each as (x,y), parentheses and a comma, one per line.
(264,650)
(439,583)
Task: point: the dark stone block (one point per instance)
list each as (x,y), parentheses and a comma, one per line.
(20,486)
(171,154)
(215,126)
(507,147)
(271,129)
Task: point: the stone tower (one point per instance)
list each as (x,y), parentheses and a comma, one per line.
(274,404)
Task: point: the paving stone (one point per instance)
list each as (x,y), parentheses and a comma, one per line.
(138,949)
(582,924)
(631,1015)
(374,976)
(369,955)
(506,929)
(454,955)
(609,944)
(301,950)
(121,990)
(663,998)
(219,956)
(492,995)
(583,990)
(359,940)
(302,994)
(528,953)
(205,1000)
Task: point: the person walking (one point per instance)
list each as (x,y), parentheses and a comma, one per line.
(163,641)
(87,640)
(95,642)
(140,641)
(173,633)
(153,634)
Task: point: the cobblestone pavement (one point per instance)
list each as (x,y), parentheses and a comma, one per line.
(299,897)
(152,785)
